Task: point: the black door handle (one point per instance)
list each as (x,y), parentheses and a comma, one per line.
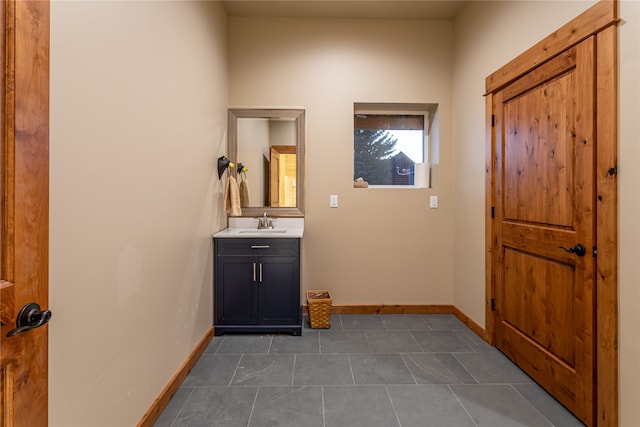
(578,249)
(30,317)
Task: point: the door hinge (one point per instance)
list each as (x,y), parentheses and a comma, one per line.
(493,304)
(613,170)
(493,212)
(595,252)
(493,120)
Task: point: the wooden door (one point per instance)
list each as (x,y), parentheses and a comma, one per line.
(24,209)
(545,208)
(279,194)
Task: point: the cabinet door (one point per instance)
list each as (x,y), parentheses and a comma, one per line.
(279,291)
(235,291)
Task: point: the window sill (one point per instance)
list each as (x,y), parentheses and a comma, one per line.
(392,187)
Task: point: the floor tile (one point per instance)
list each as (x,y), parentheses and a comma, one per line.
(498,405)
(428,405)
(440,341)
(212,370)
(258,369)
(344,342)
(309,342)
(380,369)
(244,344)
(288,407)
(443,322)
(392,341)
(361,322)
(474,341)
(217,406)
(547,405)
(213,345)
(403,322)
(437,368)
(358,406)
(321,369)
(492,368)
(174,407)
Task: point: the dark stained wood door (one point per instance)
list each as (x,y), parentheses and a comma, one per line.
(545,212)
(24,209)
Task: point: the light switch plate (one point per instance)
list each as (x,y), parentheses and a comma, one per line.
(333,201)
(433,202)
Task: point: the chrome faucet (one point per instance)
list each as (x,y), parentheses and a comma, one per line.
(265,222)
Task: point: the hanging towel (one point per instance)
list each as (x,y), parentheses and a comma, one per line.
(232,197)
(245,199)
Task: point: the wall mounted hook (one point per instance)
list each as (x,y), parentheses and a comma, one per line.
(223,164)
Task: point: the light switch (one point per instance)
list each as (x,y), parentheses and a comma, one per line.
(433,202)
(333,201)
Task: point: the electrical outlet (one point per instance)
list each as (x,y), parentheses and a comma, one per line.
(433,202)
(333,201)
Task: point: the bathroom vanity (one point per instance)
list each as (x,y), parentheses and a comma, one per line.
(257,263)
(257,281)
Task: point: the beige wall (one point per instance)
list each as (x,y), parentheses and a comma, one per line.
(138,117)
(629,226)
(479,50)
(379,246)
(250,155)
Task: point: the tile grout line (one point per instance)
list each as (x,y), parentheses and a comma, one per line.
(407,366)
(395,412)
(532,405)
(181,408)
(293,373)
(464,367)
(253,406)
(324,421)
(462,405)
(353,377)
(235,371)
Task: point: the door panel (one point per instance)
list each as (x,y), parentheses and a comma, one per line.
(236,294)
(534,282)
(539,153)
(24,208)
(280,290)
(545,197)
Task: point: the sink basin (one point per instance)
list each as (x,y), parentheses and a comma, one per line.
(247,228)
(263,231)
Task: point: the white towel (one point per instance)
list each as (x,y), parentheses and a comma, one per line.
(232,197)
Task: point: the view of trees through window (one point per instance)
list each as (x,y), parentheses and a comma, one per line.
(386,148)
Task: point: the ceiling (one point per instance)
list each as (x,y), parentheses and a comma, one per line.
(371,9)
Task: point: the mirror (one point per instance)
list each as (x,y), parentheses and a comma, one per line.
(269,144)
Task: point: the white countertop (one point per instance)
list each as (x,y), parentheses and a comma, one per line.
(283,228)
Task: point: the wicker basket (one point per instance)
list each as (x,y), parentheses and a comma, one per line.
(319,303)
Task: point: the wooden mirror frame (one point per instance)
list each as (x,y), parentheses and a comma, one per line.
(232,153)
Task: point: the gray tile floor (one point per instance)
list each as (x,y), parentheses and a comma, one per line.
(366,370)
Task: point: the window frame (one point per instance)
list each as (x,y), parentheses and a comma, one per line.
(399,109)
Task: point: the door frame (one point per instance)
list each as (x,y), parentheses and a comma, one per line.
(600,20)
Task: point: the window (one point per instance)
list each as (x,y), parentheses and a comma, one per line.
(388,145)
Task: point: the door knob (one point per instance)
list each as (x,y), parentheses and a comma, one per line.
(578,249)
(30,317)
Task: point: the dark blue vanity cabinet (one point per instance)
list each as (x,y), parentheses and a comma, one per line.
(257,285)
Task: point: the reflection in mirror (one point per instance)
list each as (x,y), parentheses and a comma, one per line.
(269,143)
